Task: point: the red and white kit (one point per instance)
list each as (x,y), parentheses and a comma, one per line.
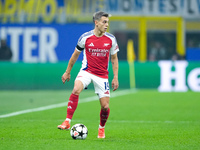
(96,53)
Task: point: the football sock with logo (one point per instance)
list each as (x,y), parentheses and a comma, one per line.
(104,114)
(72,105)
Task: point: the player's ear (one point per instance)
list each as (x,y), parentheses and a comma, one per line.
(96,23)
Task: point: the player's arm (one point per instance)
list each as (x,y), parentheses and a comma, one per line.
(114,61)
(74,57)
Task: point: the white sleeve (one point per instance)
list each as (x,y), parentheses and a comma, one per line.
(114,49)
(81,43)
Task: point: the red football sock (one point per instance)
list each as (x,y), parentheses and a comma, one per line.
(72,105)
(104,116)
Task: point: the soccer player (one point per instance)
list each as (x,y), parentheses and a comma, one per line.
(97,46)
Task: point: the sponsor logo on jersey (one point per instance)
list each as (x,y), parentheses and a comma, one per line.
(91,44)
(97,50)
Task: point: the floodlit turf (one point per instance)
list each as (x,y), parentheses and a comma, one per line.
(145,119)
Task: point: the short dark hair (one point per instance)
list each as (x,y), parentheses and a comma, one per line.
(99,14)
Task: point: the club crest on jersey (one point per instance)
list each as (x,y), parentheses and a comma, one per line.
(106,44)
(91,44)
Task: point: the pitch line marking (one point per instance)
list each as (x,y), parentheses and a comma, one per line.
(64,104)
(143,121)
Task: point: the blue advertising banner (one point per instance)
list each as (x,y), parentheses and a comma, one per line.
(193,54)
(40,43)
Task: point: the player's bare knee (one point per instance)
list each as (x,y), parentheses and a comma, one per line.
(104,101)
(76,91)
(78,87)
(105,107)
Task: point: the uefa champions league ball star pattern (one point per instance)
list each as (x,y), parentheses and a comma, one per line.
(79,131)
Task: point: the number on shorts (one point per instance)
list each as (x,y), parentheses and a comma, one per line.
(106,85)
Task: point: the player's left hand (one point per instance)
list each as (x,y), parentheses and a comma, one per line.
(115,84)
(65,77)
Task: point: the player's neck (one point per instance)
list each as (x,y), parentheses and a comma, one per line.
(98,33)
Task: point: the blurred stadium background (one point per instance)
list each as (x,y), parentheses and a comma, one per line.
(159,55)
(159,42)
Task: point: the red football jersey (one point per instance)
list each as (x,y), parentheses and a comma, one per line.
(96,52)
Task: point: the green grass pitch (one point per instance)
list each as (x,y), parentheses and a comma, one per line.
(140,120)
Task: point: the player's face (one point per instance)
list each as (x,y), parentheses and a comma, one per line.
(103,24)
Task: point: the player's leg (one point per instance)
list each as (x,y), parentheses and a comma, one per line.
(102,89)
(104,114)
(105,110)
(72,105)
(81,82)
(73,99)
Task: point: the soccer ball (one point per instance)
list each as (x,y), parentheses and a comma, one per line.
(79,131)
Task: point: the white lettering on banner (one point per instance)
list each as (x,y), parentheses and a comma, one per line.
(30,45)
(3,33)
(193,80)
(49,41)
(178,75)
(38,44)
(14,33)
(59,10)
(185,8)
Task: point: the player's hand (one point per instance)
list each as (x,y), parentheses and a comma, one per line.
(115,84)
(65,77)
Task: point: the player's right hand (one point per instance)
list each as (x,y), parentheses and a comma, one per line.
(65,77)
